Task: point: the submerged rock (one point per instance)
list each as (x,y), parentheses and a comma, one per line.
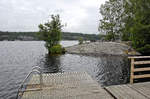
(100,48)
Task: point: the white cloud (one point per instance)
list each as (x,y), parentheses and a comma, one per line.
(25,15)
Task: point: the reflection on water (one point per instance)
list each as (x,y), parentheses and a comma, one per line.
(107,70)
(112,70)
(50,64)
(18,58)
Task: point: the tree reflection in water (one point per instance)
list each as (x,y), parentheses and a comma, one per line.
(50,64)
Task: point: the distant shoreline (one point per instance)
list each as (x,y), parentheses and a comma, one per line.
(32,36)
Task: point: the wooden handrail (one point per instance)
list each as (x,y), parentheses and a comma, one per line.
(141,62)
(139,57)
(133,69)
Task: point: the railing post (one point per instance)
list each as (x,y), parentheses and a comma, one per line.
(132,71)
(41,80)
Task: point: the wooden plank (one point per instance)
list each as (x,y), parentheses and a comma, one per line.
(141,76)
(135,57)
(142,69)
(132,71)
(76,85)
(143,88)
(124,92)
(141,62)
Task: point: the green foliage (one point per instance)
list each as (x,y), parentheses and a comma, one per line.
(144,50)
(129,20)
(57,49)
(138,24)
(125,36)
(110,24)
(80,40)
(109,37)
(50,32)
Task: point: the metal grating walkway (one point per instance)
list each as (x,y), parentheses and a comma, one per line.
(71,85)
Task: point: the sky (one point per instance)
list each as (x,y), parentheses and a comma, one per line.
(25,15)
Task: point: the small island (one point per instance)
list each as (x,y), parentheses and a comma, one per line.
(102,48)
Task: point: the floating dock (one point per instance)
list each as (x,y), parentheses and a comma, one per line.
(79,85)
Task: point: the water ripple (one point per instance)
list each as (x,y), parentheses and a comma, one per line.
(18,58)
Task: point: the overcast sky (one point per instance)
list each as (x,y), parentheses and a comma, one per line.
(26,15)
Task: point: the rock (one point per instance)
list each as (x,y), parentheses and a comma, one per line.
(99,48)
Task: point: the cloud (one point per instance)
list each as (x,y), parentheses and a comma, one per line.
(25,15)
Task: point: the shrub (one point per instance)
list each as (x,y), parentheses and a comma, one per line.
(57,49)
(145,50)
(80,40)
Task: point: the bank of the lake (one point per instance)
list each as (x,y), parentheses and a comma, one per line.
(102,48)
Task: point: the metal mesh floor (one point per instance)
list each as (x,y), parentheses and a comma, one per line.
(70,85)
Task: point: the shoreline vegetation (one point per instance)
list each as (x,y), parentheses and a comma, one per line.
(32,36)
(127,20)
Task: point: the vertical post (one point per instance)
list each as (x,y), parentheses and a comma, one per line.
(41,80)
(132,71)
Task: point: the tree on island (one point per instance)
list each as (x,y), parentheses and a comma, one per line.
(80,40)
(51,33)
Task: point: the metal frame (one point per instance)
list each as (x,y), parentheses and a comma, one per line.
(37,70)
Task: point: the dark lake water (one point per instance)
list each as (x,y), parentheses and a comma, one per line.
(18,57)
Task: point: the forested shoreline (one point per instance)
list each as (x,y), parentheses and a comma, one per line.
(32,36)
(127,20)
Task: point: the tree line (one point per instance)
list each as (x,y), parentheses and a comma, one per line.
(32,36)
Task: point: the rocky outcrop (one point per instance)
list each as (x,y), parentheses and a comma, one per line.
(100,48)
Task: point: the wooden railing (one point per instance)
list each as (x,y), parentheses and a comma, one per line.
(133,69)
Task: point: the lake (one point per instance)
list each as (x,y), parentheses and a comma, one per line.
(18,57)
